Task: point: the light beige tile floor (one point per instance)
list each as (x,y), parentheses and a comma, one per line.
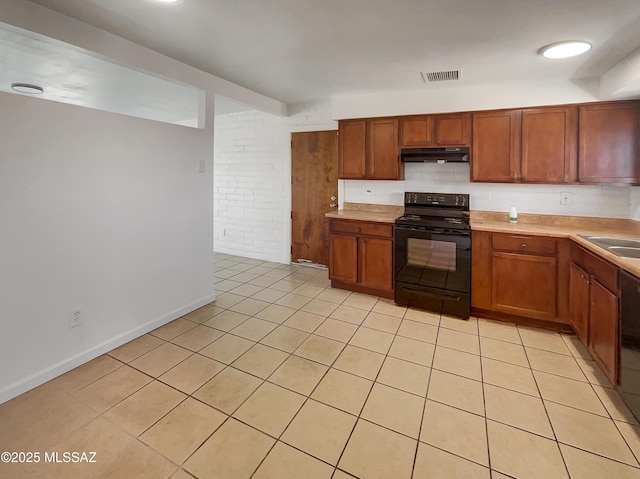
(284,377)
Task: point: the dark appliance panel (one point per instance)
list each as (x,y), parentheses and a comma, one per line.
(630,342)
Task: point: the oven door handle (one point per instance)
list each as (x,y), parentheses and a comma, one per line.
(446,297)
(435,230)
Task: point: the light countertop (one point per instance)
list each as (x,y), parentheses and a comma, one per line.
(367,212)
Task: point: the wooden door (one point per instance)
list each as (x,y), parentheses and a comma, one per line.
(314,182)
(343,263)
(609,143)
(496,146)
(353,150)
(548,144)
(603,329)
(524,285)
(384,153)
(452,130)
(579,302)
(376,263)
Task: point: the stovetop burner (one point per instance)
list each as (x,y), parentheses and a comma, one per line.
(440,210)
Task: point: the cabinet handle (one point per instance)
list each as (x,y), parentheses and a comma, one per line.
(524,178)
(359,230)
(523,246)
(513,178)
(495,255)
(581,180)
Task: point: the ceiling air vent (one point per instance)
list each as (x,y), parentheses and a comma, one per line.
(442,76)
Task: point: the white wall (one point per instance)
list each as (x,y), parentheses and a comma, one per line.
(441,98)
(99,211)
(252,189)
(607,201)
(635,203)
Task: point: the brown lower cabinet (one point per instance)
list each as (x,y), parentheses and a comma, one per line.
(361,256)
(595,294)
(520,277)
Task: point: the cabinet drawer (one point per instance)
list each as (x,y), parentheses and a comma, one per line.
(524,244)
(605,272)
(362,228)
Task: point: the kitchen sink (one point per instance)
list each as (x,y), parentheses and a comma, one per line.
(625,251)
(625,247)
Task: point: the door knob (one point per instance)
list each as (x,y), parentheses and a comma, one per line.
(333,198)
(332,205)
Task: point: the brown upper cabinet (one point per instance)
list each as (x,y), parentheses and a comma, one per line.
(436,130)
(496,143)
(534,145)
(586,143)
(609,143)
(369,149)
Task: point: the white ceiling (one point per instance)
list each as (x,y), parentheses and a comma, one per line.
(299,51)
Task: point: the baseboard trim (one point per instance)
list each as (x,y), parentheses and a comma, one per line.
(34,380)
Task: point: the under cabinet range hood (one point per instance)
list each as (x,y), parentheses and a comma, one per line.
(459,154)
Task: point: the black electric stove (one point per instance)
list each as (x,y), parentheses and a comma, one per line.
(432,253)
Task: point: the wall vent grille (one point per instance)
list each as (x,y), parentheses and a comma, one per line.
(450,75)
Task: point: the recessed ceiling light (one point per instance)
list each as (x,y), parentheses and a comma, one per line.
(168,1)
(27,88)
(565,49)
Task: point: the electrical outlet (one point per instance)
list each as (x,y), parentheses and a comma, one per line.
(368,190)
(565,198)
(76,317)
(201,166)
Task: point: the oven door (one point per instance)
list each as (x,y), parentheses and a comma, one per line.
(433,269)
(433,258)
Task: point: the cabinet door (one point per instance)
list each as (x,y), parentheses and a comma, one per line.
(416,132)
(548,144)
(376,263)
(452,130)
(524,285)
(343,260)
(481,269)
(496,146)
(384,154)
(352,140)
(603,329)
(609,143)
(579,302)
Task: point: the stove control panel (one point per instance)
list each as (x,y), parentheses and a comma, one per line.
(437,199)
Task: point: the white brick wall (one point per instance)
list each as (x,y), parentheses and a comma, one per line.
(597,200)
(252,189)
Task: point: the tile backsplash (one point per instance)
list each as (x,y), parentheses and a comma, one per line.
(612,201)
